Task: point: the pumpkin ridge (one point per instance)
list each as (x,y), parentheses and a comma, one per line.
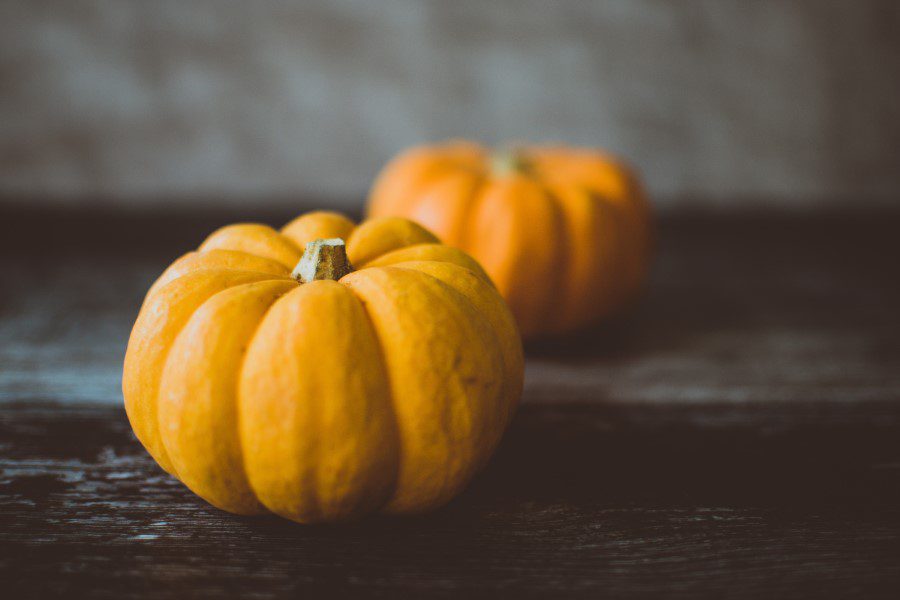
(268,276)
(185,325)
(313,497)
(386,234)
(616,184)
(495,334)
(244,252)
(196,260)
(339,464)
(249,237)
(237,396)
(465,261)
(486,426)
(426,202)
(320,224)
(477,195)
(379,339)
(398,459)
(548,314)
(466,241)
(505,328)
(135,411)
(458,413)
(620,266)
(389,198)
(516,228)
(590,280)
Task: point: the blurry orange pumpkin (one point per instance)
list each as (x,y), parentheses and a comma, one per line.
(328,392)
(563,232)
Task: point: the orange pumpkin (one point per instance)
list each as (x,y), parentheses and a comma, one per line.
(563,232)
(382,383)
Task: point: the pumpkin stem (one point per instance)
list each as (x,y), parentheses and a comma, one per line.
(509,161)
(323,259)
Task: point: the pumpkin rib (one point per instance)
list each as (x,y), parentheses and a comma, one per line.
(243,412)
(464,240)
(381,235)
(629,264)
(405,177)
(394,427)
(514,231)
(319,439)
(590,280)
(431,252)
(440,380)
(442,205)
(574,169)
(494,310)
(315,225)
(391,417)
(617,184)
(573,213)
(160,320)
(221,259)
(619,266)
(197,400)
(392,192)
(554,307)
(254,238)
(464,154)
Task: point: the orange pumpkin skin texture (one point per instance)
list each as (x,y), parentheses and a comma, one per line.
(383,391)
(564,233)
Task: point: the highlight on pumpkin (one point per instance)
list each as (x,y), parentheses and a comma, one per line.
(271,376)
(565,233)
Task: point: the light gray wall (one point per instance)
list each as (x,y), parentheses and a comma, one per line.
(718,101)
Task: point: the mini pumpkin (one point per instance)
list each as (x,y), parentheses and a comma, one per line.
(563,232)
(326,391)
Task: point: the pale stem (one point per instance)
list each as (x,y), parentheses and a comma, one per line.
(323,259)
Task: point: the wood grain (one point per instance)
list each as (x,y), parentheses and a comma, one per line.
(741,308)
(737,435)
(580,501)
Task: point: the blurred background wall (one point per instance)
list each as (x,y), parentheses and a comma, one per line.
(722,102)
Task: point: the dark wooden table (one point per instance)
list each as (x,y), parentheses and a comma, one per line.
(737,435)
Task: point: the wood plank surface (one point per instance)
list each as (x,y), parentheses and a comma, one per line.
(580,501)
(737,435)
(745,308)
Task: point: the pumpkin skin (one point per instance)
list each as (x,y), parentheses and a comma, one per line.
(321,401)
(564,232)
